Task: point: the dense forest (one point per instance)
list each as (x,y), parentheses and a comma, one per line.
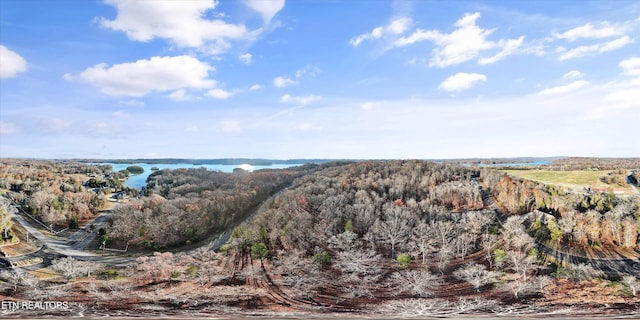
(585,163)
(184,205)
(341,236)
(351,221)
(58,192)
(569,219)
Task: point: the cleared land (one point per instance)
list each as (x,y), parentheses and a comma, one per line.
(574,179)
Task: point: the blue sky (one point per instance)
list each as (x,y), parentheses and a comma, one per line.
(319,79)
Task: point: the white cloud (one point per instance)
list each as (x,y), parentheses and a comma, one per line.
(508,48)
(395,27)
(462,81)
(463,44)
(184,23)
(230,126)
(256,87)
(594,49)
(181,95)
(8,127)
(56,125)
(619,96)
(624,98)
(605,30)
(302,100)
(309,70)
(368,106)
(267,9)
(631,66)
(246,58)
(120,114)
(131,103)
(573,86)
(139,78)
(573,74)
(282,82)
(11,63)
(219,94)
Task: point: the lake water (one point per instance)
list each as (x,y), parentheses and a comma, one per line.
(511,164)
(140,180)
(518,164)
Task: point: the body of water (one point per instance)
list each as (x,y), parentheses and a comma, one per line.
(517,164)
(140,180)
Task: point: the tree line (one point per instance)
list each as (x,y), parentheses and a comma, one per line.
(185,205)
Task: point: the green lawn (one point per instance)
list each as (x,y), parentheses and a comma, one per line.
(580,178)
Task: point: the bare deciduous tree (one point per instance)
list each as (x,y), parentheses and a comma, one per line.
(156,268)
(298,272)
(476,274)
(416,282)
(515,236)
(423,239)
(522,279)
(360,271)
(464,242)
(395,226)
(489,242)
(19,277)
(72,268)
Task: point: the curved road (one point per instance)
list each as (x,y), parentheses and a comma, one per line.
(610,267)
(75,246)
(55,247)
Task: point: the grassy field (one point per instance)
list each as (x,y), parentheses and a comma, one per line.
(580,178)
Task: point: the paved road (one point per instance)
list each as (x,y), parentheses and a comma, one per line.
(82,238)
(610,267)
(55,247)
(75,246)
(630,183)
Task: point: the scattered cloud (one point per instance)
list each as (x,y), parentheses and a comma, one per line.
(624,98)
(11,63)
(508,48)
(184,23)
(282,82)
(594,49)
(181,95)
(308,70)
(573,74)
(463,44)
(631,66)
(417,61)
(139,78)
(619,96)
(267,9)
(8,128)
(256,87)
(462,81)
(396,27)
(131,103)
(230,126)
(56,125)
(120,114)
(573,86)
(368,106)
(302,100)
(589,31)
(219,94)
(246,58)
